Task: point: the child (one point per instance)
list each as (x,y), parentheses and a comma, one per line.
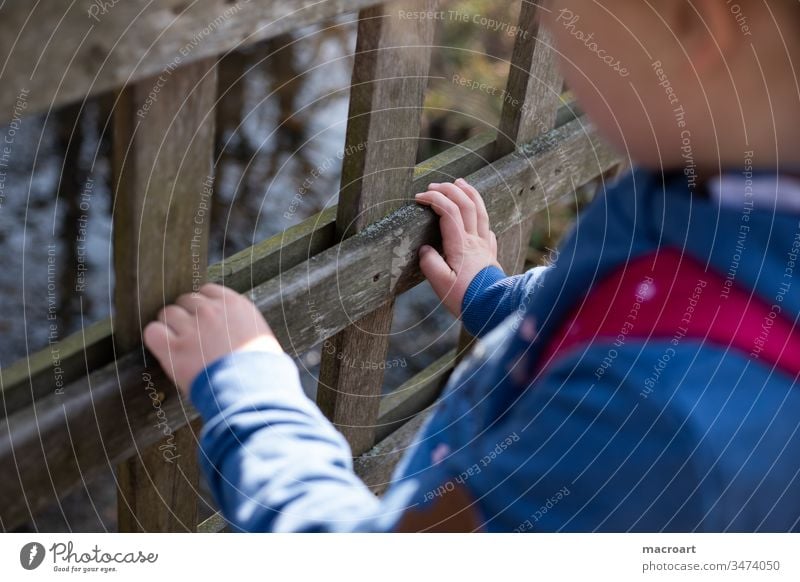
(642,383)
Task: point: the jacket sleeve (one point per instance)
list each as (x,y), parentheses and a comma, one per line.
(492,296)
(577,455)
(271,458)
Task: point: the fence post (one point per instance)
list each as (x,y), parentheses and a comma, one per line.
(390,75)
(533,96)
(163,147)
(530,107)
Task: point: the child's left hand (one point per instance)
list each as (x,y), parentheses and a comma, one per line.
(469,244)
(202,327)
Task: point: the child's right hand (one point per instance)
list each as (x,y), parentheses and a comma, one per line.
(203,327)
(469,244)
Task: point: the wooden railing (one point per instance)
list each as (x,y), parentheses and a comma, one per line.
(333,277)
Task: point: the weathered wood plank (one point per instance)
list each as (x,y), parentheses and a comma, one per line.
(91,412)
(163,187)
(96,419)
(533,91)
(49,370)
(362,273)
(414,395)
(91,348)
(277,254)
(64,50)
(214,524)
(530,108)
(375,467)
(390,75)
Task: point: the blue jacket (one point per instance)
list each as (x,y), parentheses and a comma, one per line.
(715,447)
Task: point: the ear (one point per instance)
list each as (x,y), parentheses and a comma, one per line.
(708,32)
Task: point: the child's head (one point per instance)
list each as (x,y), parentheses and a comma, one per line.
(674,83)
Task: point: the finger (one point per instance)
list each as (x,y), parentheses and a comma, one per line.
(469,214)
(484,227)
(220,295)
(191,301)
(175,317)
(450,222)
(436,270)
(214,291)
(157,338)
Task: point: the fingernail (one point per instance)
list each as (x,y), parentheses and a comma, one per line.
(433,184)
(424,249)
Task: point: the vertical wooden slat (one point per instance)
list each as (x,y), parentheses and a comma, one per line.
(530,108)
(163,147)
(387,93)
(533,92)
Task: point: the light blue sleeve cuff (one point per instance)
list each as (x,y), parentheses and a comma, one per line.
(229,381)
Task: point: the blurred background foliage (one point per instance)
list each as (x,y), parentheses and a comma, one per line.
(474,52)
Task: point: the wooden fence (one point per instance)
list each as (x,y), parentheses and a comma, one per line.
(109,406)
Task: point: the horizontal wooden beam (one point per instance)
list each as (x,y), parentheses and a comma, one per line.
(48,370)
(214,524)
(376,466)
(316,299)
(61,51)
(50,447)
(91,348)
(414,395)
(269,258)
